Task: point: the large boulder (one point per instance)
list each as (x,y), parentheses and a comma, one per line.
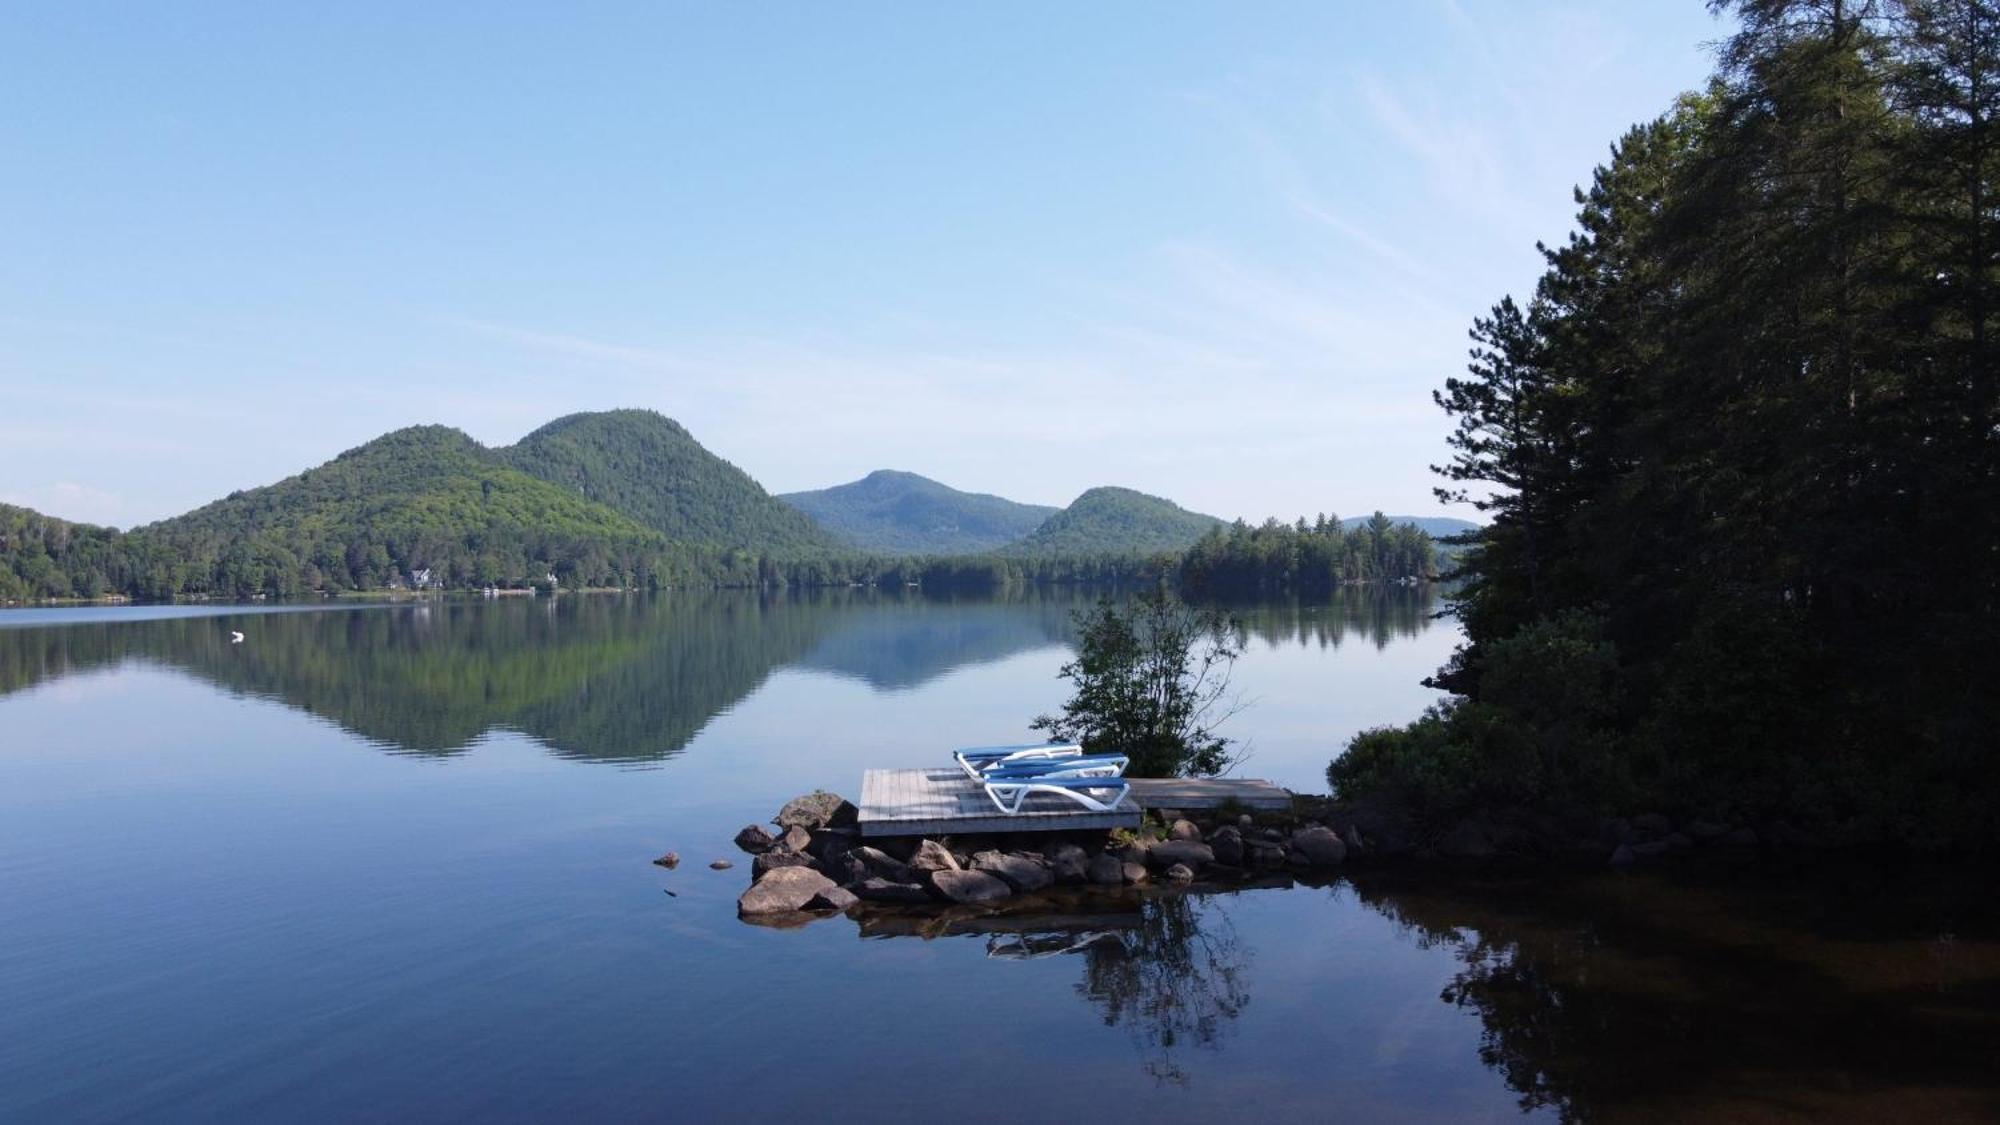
(1321,847)
(885,890)
(1194,854)
(845,868)
(767,862)
(754,839)
(829,842)
(1018,871)
(969,887)
(1069,864)
(933,856)
(1107,870)
(1227,844)
(782,889)
(884,865)
(817,809)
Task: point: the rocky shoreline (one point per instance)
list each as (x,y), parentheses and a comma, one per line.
(816,863)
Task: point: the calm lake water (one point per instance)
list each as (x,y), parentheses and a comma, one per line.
(392,862)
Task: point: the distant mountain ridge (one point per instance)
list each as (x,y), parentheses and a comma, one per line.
(1437,527)
(899,513)
(1110,520)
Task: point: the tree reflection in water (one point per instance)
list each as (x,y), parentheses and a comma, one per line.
(1173,982)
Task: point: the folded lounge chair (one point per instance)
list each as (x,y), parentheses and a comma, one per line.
(976,759)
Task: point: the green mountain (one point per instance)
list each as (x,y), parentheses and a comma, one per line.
(1111,521)
(646,466)
(894,513)
(426,497)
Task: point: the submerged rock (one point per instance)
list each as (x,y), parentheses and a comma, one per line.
(817,809)
(1020,872)
(782,889)
(754,839)
(969,887)
(669,861)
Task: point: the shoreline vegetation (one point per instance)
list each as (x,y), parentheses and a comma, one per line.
(1740,449)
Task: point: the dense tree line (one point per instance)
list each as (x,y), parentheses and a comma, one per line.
(1741,451)
(1303,558)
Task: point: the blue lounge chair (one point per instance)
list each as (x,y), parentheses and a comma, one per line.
(976,759)
(1089,765)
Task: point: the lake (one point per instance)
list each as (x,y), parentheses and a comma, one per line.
(393,861)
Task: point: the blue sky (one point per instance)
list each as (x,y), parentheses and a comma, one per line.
(1218,252)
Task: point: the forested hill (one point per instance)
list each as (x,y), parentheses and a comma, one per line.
(648,467)
(898,513)
(39,554)
(427,497)
(1116,521)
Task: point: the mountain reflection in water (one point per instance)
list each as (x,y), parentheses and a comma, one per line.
(619,679)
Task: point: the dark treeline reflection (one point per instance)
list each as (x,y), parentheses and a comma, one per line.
(1852,994)
(1700,995)
(609,678)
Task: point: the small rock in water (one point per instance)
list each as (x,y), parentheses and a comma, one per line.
(670,860)
(722,865)
(1180,873)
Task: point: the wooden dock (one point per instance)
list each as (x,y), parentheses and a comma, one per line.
(941,801)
